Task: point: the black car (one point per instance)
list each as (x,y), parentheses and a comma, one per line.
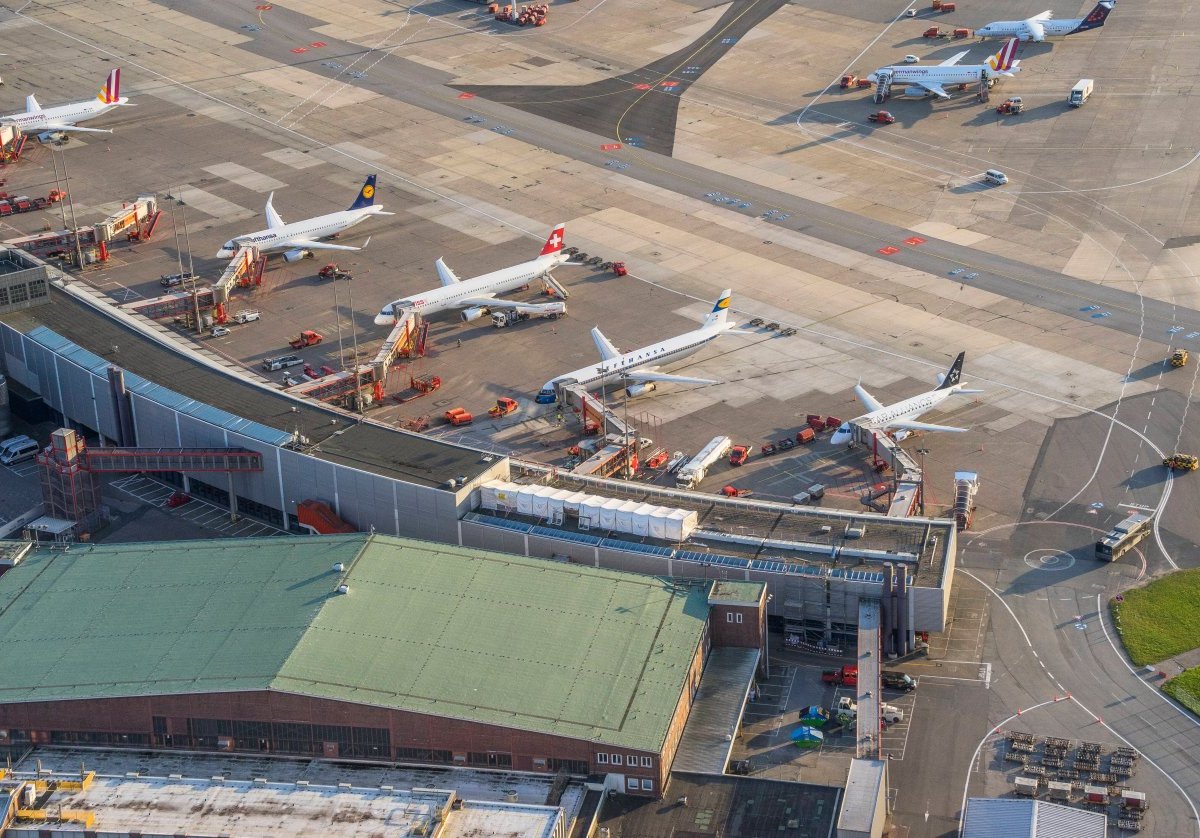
(768,449)
(787,444)
(169,280)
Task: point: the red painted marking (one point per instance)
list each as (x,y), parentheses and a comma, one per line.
(318,44)
(670,84)
(300,49)
(913,241)
(264,8)
(642,86)
(889,250)
(610,146)
(466,96)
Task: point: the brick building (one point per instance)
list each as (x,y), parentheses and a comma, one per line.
(361,646)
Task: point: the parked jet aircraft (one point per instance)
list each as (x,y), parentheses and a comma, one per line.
(923,80)
(901,414)
(638,370)
(1040,27)
(36,119)
(300,236)
(477,296)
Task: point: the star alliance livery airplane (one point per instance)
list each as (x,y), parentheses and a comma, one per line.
(901,414)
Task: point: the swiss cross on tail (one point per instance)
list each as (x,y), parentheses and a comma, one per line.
(554,244)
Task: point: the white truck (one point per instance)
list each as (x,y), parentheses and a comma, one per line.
(848,707)
(1080,92)
(246,316)
(508,316)
(694,472)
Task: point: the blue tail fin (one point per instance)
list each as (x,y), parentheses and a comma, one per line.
(1096,16)
(366,195)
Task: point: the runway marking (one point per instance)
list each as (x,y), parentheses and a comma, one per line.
(466,95)
(888,250)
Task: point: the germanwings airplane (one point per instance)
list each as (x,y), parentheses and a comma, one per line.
(299,236)
(924,80)
(1040,27)
(477,296)
(638,370)
(901,414)
(35,119)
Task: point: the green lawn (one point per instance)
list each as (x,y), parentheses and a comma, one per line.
(1162,619)
(1186,689)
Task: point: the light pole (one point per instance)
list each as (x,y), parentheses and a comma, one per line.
(767,633)
(921,452)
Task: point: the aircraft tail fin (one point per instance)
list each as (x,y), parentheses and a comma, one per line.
(719,316)
(31,104)
(1096,16)
(111,92)
(954,375)
(1006,59)
(554,243)
(366,195)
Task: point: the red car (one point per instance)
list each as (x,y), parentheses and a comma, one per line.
(882,117)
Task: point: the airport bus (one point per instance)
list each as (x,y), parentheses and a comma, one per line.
(1124,537)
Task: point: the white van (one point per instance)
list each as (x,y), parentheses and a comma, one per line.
(995,176)
(19,452)
(13,440)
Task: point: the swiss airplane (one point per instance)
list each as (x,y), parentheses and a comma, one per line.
(924,80)
(300,236)
(638,370)
(477,296)
(901,414)
(36,119)
(1040,27)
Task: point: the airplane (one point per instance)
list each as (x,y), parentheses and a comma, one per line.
(901,414)
(477,296)
(638,370)
(63,118)
(924,80)
(1040,27)
(300,236)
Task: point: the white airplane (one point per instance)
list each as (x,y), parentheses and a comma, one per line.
(477,296)
(63,118)
(901,414)
(300,236)
(1040,27)
(638,370)
(924,80)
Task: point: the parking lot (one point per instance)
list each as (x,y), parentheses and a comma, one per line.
(196,511)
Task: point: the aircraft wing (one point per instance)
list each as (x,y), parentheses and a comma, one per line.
(604,346)
(445,275)
(70,128)
(1037,32)
(954,59)
(495,304)
(933,87)
(909,425)
(650,375)
(274,222)
(308,244)
(869,402)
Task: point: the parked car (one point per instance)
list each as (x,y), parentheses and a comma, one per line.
(171,280)
(219,331)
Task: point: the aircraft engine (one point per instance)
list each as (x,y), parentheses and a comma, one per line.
(635,390)
(295,255)
(473,313)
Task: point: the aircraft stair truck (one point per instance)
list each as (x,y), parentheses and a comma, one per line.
(883,87)
(697,468)
(507,317)
(966,484)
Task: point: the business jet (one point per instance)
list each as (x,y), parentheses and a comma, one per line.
(1040,27)
(638,370)
(901,414)
(299,237)
(926,80)
(477,296)
(63,118)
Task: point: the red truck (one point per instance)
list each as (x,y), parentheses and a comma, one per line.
(847,676)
